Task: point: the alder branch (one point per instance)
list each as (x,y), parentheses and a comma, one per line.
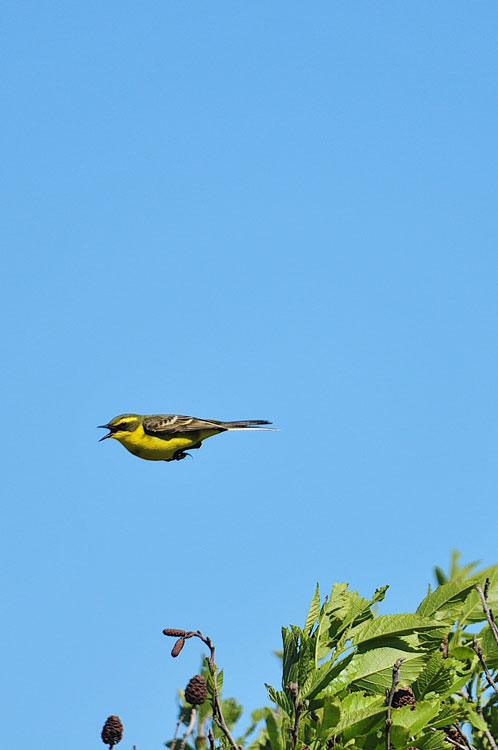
(190,728)
(389,700)
(481,658)
(483,595)
(218,716)
(488,734)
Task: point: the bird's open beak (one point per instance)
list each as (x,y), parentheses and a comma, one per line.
(104,427)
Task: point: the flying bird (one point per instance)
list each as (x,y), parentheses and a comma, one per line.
(168,437)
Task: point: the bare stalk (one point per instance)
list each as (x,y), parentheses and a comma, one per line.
(190,728)
(488,734)
(173,744)
(389,700)
(481,658)
(484,601)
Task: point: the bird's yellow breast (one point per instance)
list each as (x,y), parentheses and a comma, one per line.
(153,448)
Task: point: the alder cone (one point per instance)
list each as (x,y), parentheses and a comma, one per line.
(112,733)
(180,643)
(404,697)
(175,632)
(196,690)
(454,734)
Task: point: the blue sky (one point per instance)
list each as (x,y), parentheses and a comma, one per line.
(236,210)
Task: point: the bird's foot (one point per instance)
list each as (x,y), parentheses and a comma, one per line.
(180,455)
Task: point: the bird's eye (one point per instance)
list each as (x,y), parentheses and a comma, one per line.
(123,427)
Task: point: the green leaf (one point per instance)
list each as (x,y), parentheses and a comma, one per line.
(330,718)
(446,599)
(398,625)
(474,718)
(290,638)
(433,741)
(313,612)
(438,676)
(329,673)
(220,679)
(416,717)
(357,708)
(372,669)
(281,699)
(273,731)
(473,611)
(448,715)
(440,575)
(232,710)
(345,610)
(489,647)
(306,659)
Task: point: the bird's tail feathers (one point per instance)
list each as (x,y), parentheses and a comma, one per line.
(248,424)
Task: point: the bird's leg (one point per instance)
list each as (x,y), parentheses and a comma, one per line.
(179,455)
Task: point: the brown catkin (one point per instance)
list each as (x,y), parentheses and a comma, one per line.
(112,733)
(196,690)
(180,643)
(175,632)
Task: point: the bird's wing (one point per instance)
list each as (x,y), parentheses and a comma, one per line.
(163,425)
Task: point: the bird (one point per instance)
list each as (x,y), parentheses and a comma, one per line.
(168,437)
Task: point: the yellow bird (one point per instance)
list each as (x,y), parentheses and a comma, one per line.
(167,437)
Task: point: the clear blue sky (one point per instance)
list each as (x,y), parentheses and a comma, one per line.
(236,210)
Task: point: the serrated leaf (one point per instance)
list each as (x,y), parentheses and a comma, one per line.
(489,647)
(446,598)
(219,680)
(313,612)
(357,708)
(339,674)
(472,611)
(438,676)
(345,610)
(396,625)
(416,717)
(290,640)
(448,715)
(306,659)
(373,667)
(432,741)
(281,699)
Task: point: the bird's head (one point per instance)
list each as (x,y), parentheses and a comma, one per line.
(121,426)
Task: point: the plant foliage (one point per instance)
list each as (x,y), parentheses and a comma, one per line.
(337,671)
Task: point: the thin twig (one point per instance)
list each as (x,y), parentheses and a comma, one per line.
(180,720)
(389,700)
(457,744)
(218,716)
(488,734)
(480,655)
(484,601)
(211,739)
(190,728)
(463,736)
